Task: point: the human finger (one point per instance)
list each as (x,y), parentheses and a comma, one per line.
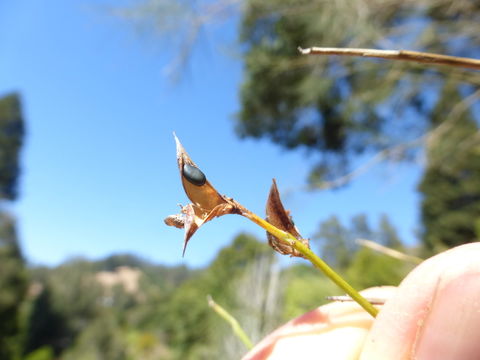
(333,331)
(435,313)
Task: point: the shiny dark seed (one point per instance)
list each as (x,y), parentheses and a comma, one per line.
(194,175)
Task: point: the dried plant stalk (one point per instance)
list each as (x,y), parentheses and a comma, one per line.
(405,55)
(280,218)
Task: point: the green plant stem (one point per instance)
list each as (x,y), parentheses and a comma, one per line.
(314,259)
(237,329)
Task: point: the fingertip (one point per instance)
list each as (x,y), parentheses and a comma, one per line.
(396,331)
(336,331)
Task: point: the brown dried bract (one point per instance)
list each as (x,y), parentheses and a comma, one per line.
(280,218)
(206,204)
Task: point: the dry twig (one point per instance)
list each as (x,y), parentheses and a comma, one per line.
(405,55)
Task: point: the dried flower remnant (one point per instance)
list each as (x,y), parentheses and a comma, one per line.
(284,237)
(279,217)
(206,204)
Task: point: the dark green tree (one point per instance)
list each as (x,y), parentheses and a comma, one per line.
(13,280)
(451,185)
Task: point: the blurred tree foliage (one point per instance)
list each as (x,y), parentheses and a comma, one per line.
(73,315)
(68,301)
(13,279)
(451,184)
(341,107)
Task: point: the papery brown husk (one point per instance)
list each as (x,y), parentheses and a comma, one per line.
(280,218)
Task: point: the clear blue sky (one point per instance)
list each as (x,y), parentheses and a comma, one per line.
(99,170)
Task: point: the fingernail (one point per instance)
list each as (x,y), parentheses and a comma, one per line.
(451,329)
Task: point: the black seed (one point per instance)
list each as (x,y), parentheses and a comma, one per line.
(194,175)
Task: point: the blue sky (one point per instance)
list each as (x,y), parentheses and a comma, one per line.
(99,170)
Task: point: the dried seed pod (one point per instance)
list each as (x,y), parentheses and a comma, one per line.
(280,218)
(198,189)
(206,204)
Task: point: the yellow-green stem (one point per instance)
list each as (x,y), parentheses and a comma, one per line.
(237,329)
(314,259)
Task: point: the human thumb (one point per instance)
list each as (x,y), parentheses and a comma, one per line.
(435,312)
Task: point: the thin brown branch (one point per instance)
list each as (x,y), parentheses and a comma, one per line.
(405,55)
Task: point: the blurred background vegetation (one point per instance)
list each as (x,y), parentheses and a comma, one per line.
(124,307)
